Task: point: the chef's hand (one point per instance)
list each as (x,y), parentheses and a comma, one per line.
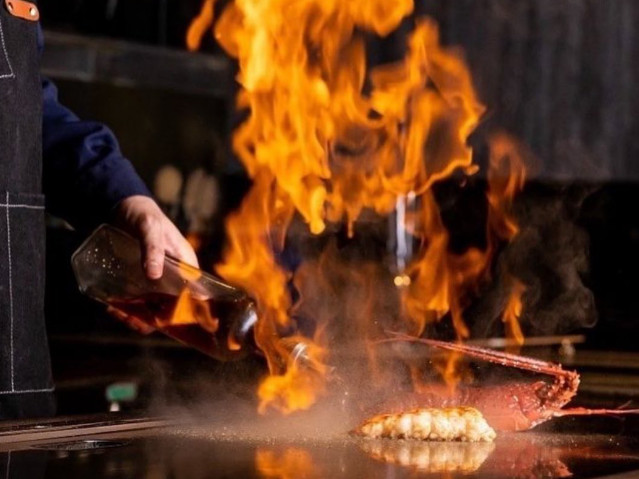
(143,218)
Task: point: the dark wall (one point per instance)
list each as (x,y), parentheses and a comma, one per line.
(154,127)
(161,22)
(560,74)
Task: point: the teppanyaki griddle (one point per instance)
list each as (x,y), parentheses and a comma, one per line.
(117,446)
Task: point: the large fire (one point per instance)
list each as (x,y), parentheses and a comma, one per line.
(328,141)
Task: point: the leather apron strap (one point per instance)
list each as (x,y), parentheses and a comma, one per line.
(25,374)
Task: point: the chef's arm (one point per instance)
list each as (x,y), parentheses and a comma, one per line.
(87,181)
(85,174)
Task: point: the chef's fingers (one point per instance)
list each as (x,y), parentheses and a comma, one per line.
(142,217)
(152,237)
(178,247)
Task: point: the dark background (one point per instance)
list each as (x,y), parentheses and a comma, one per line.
(559,75)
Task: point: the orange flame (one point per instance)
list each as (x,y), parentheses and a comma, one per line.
(506,178)
(440,279)
(200,25)
(318,145)
(304,378)
(512,313)
(189,309)
(183,313)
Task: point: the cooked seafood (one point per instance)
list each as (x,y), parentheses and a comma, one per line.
(430,424)
(515,406)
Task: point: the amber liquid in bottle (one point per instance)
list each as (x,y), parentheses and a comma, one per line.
(208,326)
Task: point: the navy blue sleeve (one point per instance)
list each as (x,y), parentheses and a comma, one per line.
(84,173)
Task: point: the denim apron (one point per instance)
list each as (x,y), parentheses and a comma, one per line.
(26,387)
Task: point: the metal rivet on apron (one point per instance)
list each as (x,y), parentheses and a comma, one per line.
(33,11)
(10,6)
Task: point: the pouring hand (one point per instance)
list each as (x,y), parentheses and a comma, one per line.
(143,218)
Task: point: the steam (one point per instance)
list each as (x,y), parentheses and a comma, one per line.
(550,255)
(226,409)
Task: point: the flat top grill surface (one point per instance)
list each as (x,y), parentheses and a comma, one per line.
(224,438)
(605,447)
